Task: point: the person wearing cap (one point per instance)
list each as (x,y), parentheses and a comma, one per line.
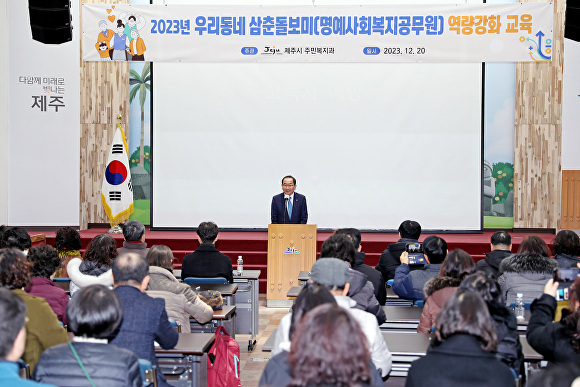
(333,274)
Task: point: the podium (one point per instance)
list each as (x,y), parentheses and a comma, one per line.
(291,249)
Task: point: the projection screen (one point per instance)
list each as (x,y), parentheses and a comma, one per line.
(370,144)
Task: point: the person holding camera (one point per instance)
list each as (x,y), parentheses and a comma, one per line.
(557,342)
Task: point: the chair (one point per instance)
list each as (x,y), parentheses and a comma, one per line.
(24,369)
(175,325)
(61,279)
(419,303)
(527,305)
(148,373)
(390,283)
(208,280)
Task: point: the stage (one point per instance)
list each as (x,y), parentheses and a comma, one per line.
(253,245)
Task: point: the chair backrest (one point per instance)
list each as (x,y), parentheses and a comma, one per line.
(390,282)
(148,372)
(527,305)
(61,279)
(24,369)
(208,280)
(175,325)
(419,303)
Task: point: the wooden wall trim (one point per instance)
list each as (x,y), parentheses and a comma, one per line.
(538,135)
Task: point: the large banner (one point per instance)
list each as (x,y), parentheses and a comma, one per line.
(517,32)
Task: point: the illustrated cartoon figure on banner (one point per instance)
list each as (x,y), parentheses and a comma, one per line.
(103,40)
(120,42)
(132,22)
(136,47)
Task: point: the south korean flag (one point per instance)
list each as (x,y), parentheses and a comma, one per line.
(117,192)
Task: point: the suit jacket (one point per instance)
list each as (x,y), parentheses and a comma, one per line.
(279,214)
(144,322)
(207,261)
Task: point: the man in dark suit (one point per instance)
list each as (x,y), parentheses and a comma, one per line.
(289,207)
(207,261)
(144,318)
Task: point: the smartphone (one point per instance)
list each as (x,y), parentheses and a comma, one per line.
(565,277)
(415,251)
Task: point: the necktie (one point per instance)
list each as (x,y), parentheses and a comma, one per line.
(290,207)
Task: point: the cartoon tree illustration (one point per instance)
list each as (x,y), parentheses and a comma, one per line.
(141,84)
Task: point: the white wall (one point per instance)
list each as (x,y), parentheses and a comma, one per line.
(3,115)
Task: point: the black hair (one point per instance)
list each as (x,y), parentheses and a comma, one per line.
(17,237)
(457,264)
(289,177)
(310,297)
(207,232)
(338,246)
(67,238)
(94,311)
(435,248)
(134,18)
(133,230)
(102,250)
(130,267)
(533,244)
(566,242)
(353,233)
(12,319)
(485,286)
(120,23)
(15,271)
(501,238)
(410,229)
(2,231)
(465,312)
(45,261)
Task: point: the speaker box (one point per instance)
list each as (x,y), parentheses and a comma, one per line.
(572,22)
(50,21)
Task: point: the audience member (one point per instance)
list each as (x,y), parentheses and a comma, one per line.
(456,266)
(525,273)
(409,232)
(534,245)
(361,290)
(409,284)
(207,261)
(134,235)
(557,342)
(42,328)
(461,348)
(317,358)
(310,297)
(373,275)
(18,238)
(509,348)
(333,274)
(144,318)
(12,339)
(68,244)
(95,268)
(45,262)
(501,248)
(3,229)
(180,301)
(93,315)
(566,248)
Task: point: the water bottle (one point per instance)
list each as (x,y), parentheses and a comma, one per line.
(520,307)
(240,265)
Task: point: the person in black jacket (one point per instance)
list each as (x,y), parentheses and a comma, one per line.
(93,315)
(373,275)
(509,348)
(207,261)
(566,248)
(409,232)
(501,246)
(557,342)
(461,348)
(361,290)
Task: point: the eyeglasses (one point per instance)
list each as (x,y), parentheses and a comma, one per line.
(287,185)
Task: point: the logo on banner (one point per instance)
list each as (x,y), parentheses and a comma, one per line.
(540,48)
